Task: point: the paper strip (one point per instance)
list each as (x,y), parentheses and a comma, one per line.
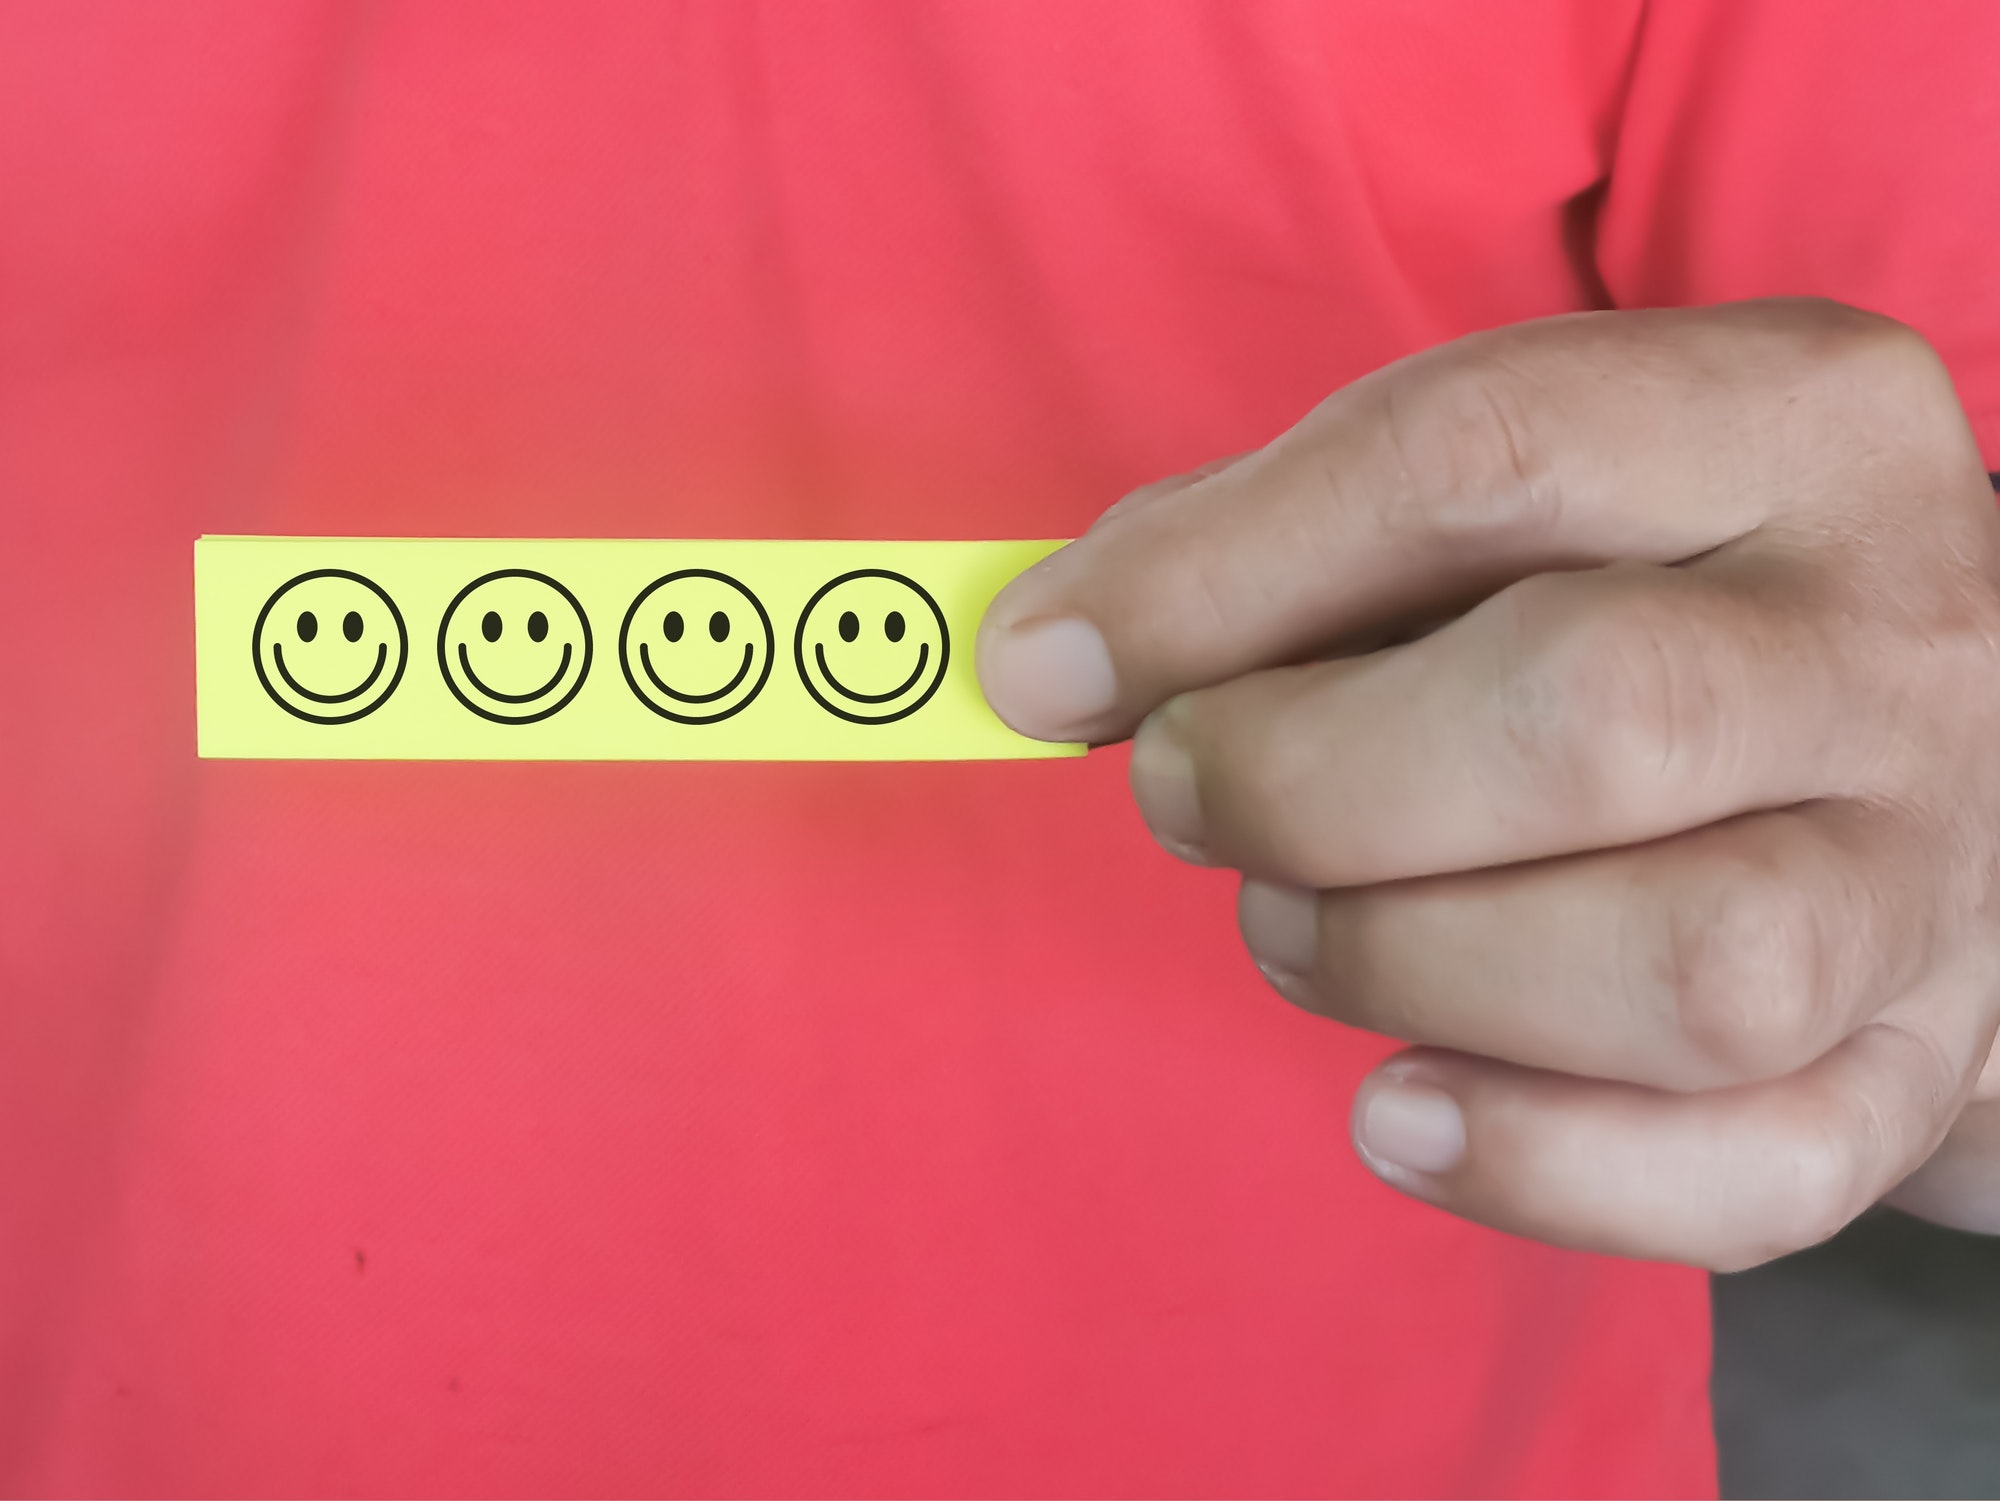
(378,648)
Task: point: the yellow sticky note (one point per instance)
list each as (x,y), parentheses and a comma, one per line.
(404,648)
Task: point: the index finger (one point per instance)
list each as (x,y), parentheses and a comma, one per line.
(1560,444)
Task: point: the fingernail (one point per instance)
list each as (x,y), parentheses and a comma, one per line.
(1162,778)
(1403,1128)
(1280,926)
(1051,679)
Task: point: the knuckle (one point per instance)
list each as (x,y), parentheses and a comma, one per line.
(1854,360)
(1606,705)
(1172,599)
(1744,971)
(1273,806)
(1816,1186)
(1821,328)
(1148,494)
(1876,342)
(1840,1150)
(1825,1184)
(1951,652)
(1459,427)
(1877,399)
(1363,965)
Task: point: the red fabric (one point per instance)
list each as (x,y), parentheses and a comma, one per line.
(903,1129)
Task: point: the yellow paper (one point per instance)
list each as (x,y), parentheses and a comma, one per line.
(378,648)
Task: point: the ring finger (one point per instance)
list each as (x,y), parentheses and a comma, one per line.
(1733,953)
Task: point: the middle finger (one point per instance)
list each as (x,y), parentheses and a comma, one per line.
(1570,712)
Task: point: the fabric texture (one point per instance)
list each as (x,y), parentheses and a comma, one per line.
(732,1129)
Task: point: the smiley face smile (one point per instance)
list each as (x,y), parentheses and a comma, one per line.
(646,662)
(923,659)
(381,661)
(465,661)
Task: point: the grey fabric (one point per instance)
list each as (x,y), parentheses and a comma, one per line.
(1869,1366)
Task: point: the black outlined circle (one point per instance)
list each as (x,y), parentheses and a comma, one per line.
(936,676)
(381,661)
(451,679)
(645,663)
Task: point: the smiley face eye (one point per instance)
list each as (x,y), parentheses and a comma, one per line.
(718,627)
(850,625)
(538,627)
(893,626)
(489,625)
(350,625)
(308,625)
(675,626)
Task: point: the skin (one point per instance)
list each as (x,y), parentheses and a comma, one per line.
(1608,706)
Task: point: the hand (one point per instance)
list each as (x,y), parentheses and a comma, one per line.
(1609,705)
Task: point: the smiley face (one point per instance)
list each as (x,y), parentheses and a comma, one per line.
(329,646)
(695,646)
(871,646)
(514,646)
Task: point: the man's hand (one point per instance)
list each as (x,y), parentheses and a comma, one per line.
(1609,705)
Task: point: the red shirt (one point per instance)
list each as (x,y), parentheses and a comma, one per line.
(606,1128)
